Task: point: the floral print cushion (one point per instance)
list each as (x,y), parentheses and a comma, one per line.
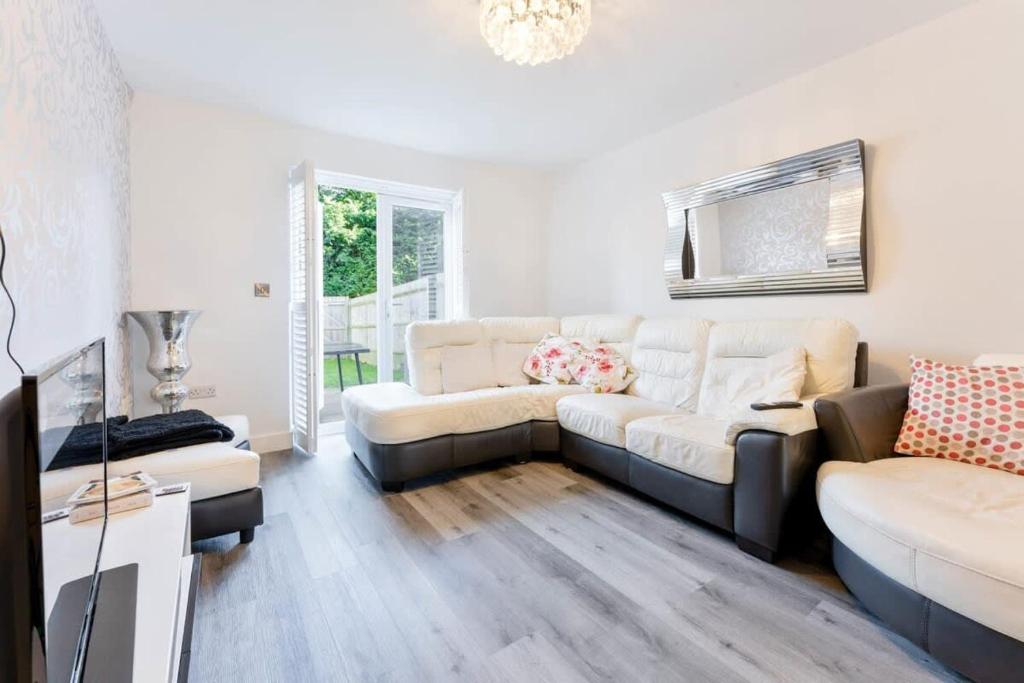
(550,360)
(602,370)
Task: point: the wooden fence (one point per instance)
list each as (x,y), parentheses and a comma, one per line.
(355,319)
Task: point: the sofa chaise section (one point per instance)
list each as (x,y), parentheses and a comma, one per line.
(399,434)
(930,546)
(406,431)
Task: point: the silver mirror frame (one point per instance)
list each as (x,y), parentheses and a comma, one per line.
(845,238)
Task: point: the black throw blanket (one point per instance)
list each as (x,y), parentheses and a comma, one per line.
(82,445)
(129,439)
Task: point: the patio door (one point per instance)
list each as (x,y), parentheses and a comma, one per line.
(390,254)
(413,258)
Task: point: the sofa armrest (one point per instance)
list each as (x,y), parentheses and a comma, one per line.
(771,471)
(861,425)
(787,421)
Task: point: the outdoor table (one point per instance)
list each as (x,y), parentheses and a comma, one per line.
(339,349)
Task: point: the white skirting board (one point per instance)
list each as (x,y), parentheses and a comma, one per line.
(268,443)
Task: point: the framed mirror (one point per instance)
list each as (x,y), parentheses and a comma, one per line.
(792,226)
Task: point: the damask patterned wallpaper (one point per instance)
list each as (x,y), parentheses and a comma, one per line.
(64,194)
(775,232)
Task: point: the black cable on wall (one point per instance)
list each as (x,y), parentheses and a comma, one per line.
(14,309)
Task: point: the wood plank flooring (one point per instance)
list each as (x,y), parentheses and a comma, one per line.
(514,573)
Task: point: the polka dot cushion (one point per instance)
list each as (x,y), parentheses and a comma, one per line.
(969,414)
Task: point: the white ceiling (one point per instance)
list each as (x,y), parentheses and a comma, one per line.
(416,73)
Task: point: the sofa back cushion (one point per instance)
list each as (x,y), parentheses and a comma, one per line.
(830,345)
(512,340)
(467,367)
(1000,359)
(616,331)
(668,357)
(731,385)
(424,344)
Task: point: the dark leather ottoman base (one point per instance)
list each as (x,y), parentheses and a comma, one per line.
(241,511)
(395,464)
(971,648)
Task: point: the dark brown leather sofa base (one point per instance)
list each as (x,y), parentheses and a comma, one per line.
(241,511)
(394,464)
(703,499)
(772,476)
(772,471)
(971,648)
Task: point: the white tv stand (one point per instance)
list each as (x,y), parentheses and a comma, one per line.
(158,540)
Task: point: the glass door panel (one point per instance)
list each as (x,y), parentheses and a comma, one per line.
(417,274)
(350,297)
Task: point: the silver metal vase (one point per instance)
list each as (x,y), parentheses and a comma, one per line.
(167,332)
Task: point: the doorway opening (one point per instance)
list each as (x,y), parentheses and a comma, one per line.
(390,254)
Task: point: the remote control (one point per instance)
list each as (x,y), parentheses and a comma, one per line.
(780,405)
(55,515)
(173,488)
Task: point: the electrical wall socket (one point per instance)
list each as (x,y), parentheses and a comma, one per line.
(203,391)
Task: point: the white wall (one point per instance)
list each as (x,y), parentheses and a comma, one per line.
(209,218)
(63,187)
(941,109)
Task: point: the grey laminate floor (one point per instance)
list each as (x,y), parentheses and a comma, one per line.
(521,573)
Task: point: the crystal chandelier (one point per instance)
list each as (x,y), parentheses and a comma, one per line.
(534,31)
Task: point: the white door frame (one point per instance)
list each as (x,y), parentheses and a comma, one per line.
(391,194)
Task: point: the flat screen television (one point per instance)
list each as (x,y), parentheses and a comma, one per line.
(54,439)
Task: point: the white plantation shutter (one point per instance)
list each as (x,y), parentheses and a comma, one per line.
(304,309)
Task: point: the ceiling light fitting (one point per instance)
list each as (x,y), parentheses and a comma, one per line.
(534,31)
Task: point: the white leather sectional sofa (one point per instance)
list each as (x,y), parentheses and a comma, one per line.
(667,435)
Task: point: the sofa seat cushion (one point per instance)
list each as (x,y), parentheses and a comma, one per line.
(393,412)
(688,443)
(213,469)
(946,530)
(603,417)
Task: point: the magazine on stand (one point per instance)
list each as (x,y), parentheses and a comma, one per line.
(129,492)
(117,487)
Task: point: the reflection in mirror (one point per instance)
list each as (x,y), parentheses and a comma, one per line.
(70,414)
(771,232)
